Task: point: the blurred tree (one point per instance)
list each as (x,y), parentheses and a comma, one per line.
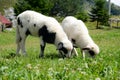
(42,6)
(77,8)
(65,7)
(21,6)
(54,7)
(83,10)
(99,13)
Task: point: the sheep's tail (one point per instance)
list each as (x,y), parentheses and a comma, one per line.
(18,38)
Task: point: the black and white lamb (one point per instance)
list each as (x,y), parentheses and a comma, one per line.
(47,28)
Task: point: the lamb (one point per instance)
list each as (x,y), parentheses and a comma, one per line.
(78,34)
(47,28)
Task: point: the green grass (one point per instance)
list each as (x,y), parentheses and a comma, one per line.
(106,65)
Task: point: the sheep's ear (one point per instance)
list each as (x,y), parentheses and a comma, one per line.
(60,45)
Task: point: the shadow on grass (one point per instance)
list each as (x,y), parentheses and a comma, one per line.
(46,56)
(10,55)
(50,56)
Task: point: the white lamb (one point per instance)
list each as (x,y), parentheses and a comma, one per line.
(47,28)
(78,34)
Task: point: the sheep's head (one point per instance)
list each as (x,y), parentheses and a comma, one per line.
(65,48)
(91,49)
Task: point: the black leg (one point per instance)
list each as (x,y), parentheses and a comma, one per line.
(42,46)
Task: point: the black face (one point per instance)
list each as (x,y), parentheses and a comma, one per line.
(92,53)
(64,50)
(62,54)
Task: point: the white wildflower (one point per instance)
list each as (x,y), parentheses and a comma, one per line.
(65,68)
(97,78)
(37,72)
(86,65)
(3,68)
(36,67)
(29,66)
(84,73)
(60,59)
(94,62)
(50,69)
(79,69)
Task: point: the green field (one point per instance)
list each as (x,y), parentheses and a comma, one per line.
(106,65)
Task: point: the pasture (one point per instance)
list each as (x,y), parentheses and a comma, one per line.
(105,66)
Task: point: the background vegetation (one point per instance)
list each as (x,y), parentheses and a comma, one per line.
(105,66)
(97,10)
(55,7)
(82,9)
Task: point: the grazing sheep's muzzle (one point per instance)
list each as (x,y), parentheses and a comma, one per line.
(65,54)
(92,53)
(88,50)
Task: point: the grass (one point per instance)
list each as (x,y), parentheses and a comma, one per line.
(104,67)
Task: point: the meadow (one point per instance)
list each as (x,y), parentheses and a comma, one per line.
(105,66)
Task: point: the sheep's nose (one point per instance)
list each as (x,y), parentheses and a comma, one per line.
(91,52)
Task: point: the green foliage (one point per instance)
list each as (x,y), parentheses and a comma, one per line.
(105,66)
(99,13)
(82,16)
(42,6)
(53,7)
(65,7)
(77,8)
(50,7)
(21,6)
